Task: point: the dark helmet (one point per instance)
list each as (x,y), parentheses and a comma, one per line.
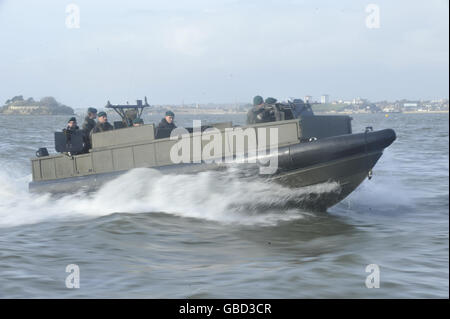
(92,110)
(258,100)
(170,113)
(138,120)
(271,100)
(101,114)
(72,119)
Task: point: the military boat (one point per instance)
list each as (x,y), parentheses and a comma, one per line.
(294,148)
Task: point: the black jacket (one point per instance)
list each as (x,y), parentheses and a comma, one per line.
(166,125)
(88,125)
(71,129)
(102,127)
(164,129)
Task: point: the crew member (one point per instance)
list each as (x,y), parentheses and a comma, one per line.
(166,126)
(72,125)
(89,121)
(88,125)
(254,114)
(130,116)
(272,111)
(102,124)
(74,138)
(167,121)
(138,122)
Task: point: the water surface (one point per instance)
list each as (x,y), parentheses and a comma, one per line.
(214,236)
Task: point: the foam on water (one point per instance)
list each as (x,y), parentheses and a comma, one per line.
(216,196)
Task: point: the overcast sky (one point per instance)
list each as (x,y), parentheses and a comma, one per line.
(223,50)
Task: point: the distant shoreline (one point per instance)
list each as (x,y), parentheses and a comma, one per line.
(408,112)
(217,112)
(431,112)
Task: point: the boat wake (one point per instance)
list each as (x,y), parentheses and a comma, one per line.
(215,196)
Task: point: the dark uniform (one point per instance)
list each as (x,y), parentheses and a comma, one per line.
(130,116)
(166,125)
(102,127)
(165,128)
(87,127)
(138,121)
(273,112)
(71,129)
(74,138)
(260,112)
(263,112)
(256,114)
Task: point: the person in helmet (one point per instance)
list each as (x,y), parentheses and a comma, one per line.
(72,125)
(258,108)
(166,125)
(88,125)
(167,121)
(138,122)
(89,121)
(102,123)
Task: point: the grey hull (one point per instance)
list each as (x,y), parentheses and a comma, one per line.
(347,173)
(345,159)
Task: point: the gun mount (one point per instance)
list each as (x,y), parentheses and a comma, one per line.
(128,112)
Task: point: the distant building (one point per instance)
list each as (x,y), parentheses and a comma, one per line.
(357,101)
(325,98)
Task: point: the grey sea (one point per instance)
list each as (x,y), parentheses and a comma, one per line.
(211,235)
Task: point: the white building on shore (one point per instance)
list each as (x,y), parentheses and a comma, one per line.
(324,99)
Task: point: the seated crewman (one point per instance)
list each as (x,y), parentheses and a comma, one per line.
(72,125)
(167,121)
(166,126)
(74,137)
(102,123)
(257,109)
(138,122)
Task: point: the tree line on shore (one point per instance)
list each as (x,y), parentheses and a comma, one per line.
(46,105)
